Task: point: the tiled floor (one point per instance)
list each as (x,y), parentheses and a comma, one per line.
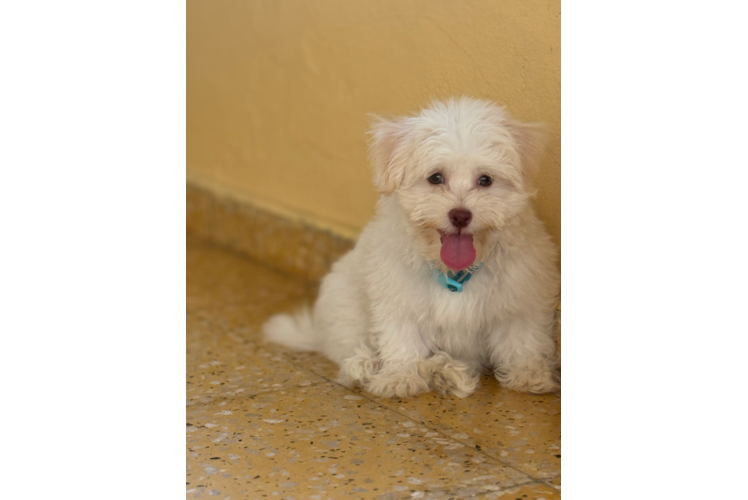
(266,422)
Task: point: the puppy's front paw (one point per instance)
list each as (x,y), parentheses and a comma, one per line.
(450,377)
(358,369)
(533,380)
(389,384)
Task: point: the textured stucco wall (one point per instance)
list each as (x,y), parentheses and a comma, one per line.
(278,91)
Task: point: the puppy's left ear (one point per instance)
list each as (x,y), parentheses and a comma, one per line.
(388,152)
(530,140)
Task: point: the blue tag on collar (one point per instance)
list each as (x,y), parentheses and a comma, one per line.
(449,283)
(456,282)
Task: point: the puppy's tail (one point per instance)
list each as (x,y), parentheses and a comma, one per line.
(295,331)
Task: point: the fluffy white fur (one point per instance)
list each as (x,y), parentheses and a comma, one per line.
(381,314)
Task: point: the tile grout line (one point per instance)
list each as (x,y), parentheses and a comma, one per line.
(522,482)
(309,284)
(533,478)
(365,396)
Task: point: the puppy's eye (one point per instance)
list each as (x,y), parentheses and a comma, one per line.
(436,179)
(485,180)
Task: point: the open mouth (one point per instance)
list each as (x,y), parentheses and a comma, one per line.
(457,251)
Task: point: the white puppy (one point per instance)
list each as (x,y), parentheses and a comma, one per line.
(454,275)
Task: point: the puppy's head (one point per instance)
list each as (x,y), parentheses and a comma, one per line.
(460,170)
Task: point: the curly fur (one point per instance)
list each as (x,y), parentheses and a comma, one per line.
(381,314)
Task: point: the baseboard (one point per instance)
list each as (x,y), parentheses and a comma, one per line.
(289,246)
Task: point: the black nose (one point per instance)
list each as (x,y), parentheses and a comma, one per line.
(460,217)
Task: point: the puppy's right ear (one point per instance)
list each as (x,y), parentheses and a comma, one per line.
(387,152)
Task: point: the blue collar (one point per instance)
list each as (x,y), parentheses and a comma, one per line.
(455,281)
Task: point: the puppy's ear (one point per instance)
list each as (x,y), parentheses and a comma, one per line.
(387,145)
(530,139)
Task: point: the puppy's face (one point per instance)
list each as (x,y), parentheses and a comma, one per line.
(460,170)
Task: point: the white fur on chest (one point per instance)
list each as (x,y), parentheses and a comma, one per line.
(459,322)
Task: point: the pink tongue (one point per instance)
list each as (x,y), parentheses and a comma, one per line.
(458,251)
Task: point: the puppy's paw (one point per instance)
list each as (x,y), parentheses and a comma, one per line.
(532,380)
(450,377)
(402,384)
(358,369)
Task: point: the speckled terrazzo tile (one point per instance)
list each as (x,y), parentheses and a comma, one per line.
(521,430)
(245,323)
(238,387)
(285,245)
(217,277)
(225,359)
(289,246)
(323,441)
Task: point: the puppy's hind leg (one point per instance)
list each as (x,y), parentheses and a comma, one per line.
(340,314)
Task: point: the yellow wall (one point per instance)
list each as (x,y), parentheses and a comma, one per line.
(278,91)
